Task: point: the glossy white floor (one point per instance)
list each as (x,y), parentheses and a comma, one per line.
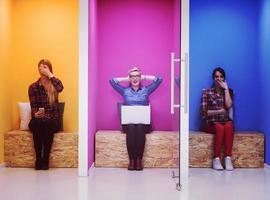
(120,184)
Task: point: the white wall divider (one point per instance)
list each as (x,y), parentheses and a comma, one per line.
(184,91)
(83,88)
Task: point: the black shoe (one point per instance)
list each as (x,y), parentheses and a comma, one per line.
(139,165)
(132,165)
(45,164)
(45,167)
(38,165)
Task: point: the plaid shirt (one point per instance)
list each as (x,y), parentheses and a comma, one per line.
(211,100)
(39,98)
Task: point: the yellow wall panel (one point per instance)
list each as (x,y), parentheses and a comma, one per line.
(45,29)
(5,96)
(29,31)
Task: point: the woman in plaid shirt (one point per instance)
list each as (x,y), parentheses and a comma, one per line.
(43,96)
(216,104)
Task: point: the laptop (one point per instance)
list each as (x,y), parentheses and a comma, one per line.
(135,114)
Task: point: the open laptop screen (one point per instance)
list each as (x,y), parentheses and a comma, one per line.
(135,114)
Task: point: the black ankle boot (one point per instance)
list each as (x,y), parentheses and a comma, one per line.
(132,165)
(139,165)
(45,164)
(38,164)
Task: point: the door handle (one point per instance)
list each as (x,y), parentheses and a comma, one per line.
(173,60)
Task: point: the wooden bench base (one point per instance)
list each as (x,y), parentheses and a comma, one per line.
(248,149)
(161,149)
(19,150)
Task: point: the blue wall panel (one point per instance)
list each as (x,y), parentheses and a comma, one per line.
(225,33)
(265,74)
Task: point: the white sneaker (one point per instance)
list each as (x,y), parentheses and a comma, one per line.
(216,164)
(228,163)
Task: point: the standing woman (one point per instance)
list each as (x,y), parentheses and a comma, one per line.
(135,94)
(216,105)
(43,96)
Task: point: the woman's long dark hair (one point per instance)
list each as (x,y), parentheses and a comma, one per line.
(219,69)
(52,93)
(222,71)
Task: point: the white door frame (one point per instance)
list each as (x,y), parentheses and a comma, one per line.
(184,91)
(83,88)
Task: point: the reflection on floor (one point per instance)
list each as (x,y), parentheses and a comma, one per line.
(120,184)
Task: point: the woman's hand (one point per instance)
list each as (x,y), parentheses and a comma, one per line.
(228,98)
(40,113)
(44,69)
(147,77)
(143,77)
(223,84)
(222,111)
(122,79)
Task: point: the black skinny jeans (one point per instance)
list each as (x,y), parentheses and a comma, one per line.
(43,133)
(135,139)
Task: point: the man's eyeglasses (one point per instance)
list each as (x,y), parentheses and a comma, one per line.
(135,76)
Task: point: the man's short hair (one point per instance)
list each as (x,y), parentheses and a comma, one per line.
(134,69)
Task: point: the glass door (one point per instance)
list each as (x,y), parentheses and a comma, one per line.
(179,87)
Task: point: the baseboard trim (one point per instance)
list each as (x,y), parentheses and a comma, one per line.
(266,166)
(2,165)
(91,168)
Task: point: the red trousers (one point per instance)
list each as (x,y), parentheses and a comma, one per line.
(223,133)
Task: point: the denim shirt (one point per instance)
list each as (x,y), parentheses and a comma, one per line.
(139,97)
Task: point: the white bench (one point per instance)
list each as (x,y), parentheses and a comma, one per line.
(161,149)
(19,149)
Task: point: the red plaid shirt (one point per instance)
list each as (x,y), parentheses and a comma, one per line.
(39,99)
(211,100)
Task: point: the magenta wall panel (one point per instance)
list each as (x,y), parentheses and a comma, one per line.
(134,33)
(176,49)
(124,34)
(92,74)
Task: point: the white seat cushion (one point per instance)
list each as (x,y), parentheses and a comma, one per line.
(25,115)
